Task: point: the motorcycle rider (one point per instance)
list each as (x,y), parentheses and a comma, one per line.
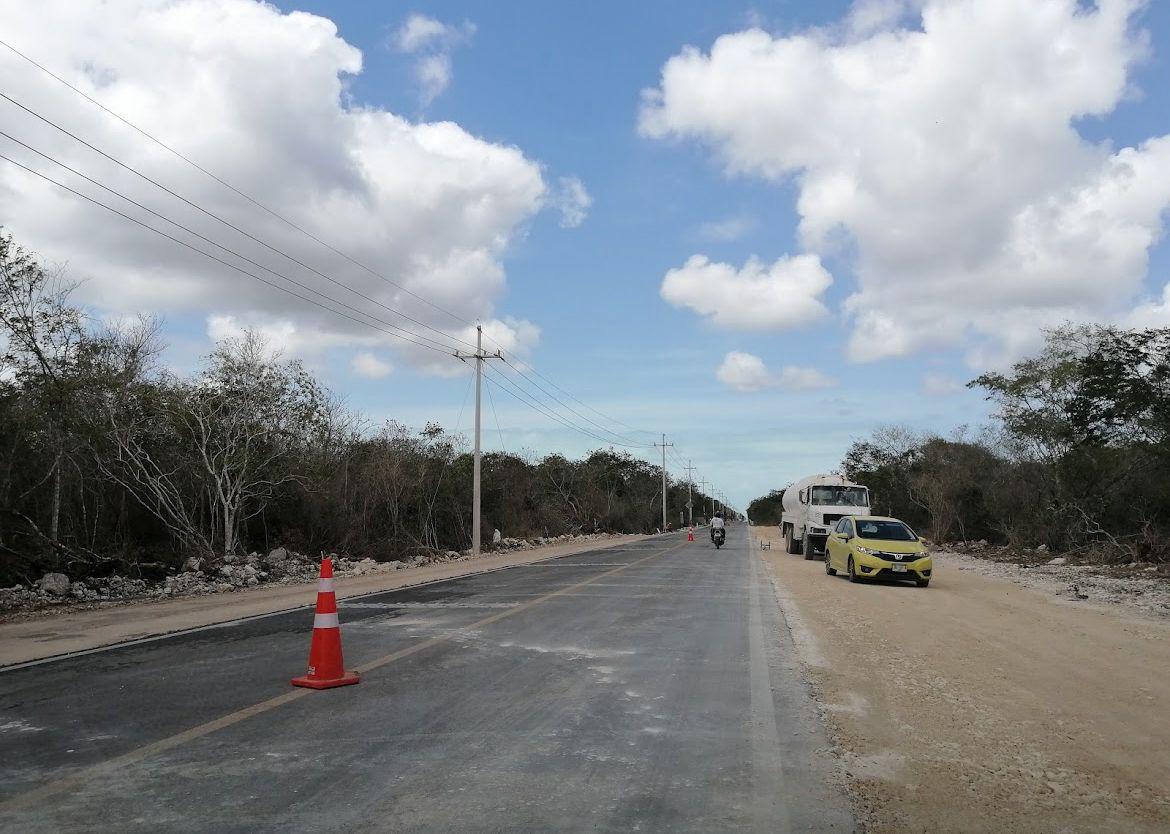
(716,524)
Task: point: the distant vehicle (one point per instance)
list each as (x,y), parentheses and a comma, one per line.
(719,535)
(876,547)
(813,505)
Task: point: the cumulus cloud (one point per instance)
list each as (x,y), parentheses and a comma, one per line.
(433,42)
(747,372)
(572,200)
(936,142)
(257,96)
(757,296)
(368,365)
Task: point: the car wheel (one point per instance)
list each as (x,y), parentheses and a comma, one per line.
(922,583)
(853,577)
(829,569)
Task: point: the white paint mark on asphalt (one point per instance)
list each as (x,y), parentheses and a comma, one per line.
(19,726)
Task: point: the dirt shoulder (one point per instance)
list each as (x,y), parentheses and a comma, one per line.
(980,704)
(55,633)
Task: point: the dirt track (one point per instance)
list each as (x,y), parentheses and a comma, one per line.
(980,705)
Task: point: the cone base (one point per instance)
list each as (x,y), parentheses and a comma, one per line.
(327,683)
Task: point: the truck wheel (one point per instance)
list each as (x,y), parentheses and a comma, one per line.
(789,543)
(807,548)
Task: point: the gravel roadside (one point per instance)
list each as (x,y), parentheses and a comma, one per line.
(989,702)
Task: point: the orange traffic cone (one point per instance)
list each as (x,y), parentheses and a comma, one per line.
(326,668)
(690,534)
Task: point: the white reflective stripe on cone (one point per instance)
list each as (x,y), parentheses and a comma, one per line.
(325,586)
(325,621)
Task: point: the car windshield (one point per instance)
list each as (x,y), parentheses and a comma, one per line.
(840,496)
(891,531)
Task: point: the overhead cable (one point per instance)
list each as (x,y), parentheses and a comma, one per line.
(210,256)
(231,187)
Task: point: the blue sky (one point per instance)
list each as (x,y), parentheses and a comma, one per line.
(563,84)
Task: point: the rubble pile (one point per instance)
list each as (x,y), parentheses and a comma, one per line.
(509,544)
(232,572)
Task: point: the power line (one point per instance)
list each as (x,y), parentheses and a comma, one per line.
(515,391)
(229,250)
(621,439)
(231,187)
(579,402)
(524,397)
(228,264)
(496,417)
(208,212)
(278,251)
(520,394)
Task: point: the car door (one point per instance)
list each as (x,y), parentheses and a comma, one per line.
(834,547)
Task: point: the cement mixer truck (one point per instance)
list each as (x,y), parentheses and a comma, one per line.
(813,505)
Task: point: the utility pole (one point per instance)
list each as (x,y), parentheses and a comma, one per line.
(476,493)
(664,445)
(690,502)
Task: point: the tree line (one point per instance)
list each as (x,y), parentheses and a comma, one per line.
(111,463)
(1075,457)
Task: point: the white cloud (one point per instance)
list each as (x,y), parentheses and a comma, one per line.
(746,372)
(432,41)
(514,338)
(758,296)
(1151,313)
(728,229)
(281,335)
(572,200)
(256,96)
(370,366)
(420,31)
(743,372)
(945,158)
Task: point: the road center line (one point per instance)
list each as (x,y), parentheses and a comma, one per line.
(71,781)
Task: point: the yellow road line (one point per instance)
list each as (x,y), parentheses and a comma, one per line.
(67,783)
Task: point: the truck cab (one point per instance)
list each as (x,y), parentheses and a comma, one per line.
(813,505)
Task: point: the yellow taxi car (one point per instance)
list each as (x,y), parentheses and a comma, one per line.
(876,547)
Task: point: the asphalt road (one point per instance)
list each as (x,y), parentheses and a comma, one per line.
(652,687)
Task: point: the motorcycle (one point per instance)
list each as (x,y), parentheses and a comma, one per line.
(718,536)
